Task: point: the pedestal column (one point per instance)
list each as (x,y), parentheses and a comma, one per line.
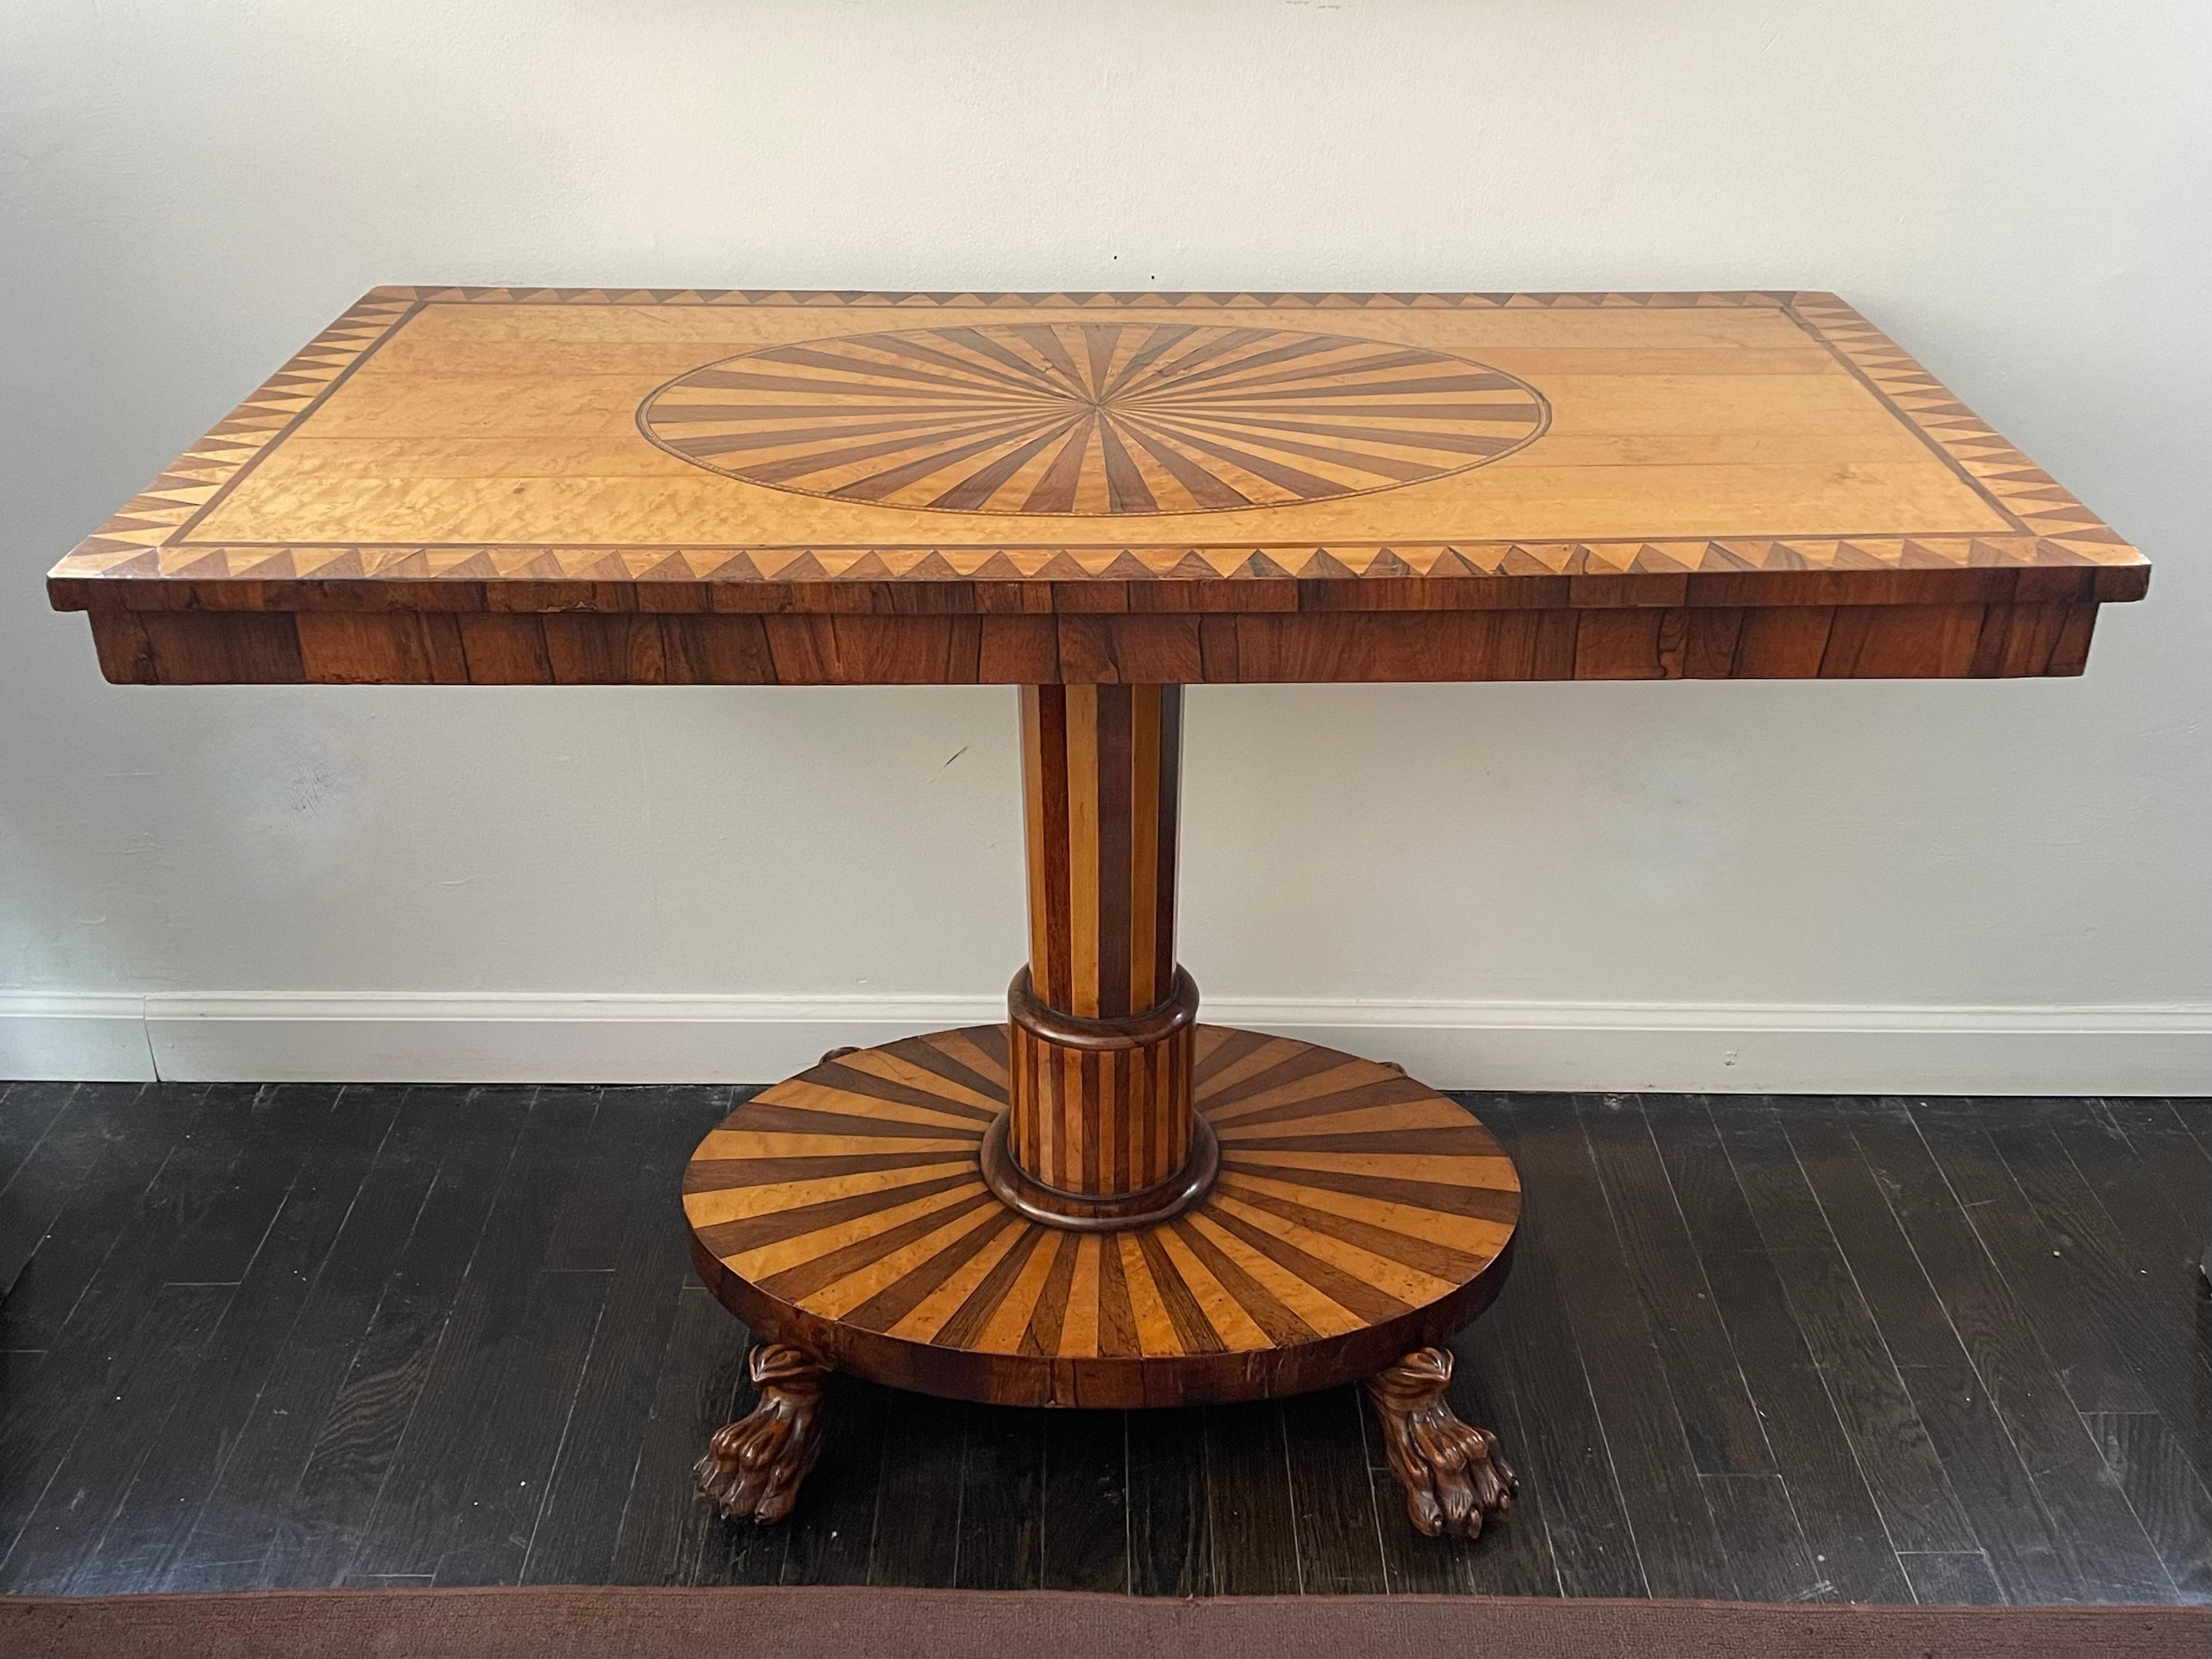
(1099,1132)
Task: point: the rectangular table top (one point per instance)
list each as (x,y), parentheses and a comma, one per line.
(597,453)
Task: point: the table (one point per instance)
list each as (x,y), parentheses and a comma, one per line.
(1102,498)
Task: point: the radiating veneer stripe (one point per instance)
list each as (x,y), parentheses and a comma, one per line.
(1275,1321)
(767,1116)
(925,1319)
(1117,1328)
(1207,1300)
(989,1293)
(1079,1333)
(1194,1332)
(1157,1334)
(1212,1038)
(1238,1055)
(1478,1235)
(802,1281)
(1418,1104)
(1003,1323)
(1488,1204)
(1413,1268)
(733,1203)
(932,1072)
(1492,1171)
(934,1081)
(747,1143)
(1304,1300)
(1041,1336)
(846,1090)
(1329,1083)
(1319,1117)
(714,1175)
(964,1062)
(1423,1251)
(1279,1064)
(763,1258)
(737,1238)
(877,1293)
(990,1042)
(1276,1240)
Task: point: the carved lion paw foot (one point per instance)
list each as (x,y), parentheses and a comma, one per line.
(753,1466)
(1454,1478)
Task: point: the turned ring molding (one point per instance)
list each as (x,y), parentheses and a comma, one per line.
(1087,1212)
(1155,1025)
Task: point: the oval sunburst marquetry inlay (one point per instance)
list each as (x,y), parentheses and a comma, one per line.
(1092,417)
(1358,1214)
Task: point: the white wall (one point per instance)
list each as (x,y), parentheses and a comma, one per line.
(1921,885)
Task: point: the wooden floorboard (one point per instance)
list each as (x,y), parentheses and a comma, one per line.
(321,1521)
(215,1404)
(1001,1499)
(835,1529)
(659,1540)
(422,1505)
(1169,1543)
(1085,1509)
(1333,1495)
(918,1499)
(1573,1489)
(613,1228)
(1986,1499)
(2097,1530)
(254,1498)
(1784,1349)
(86,1183)
(28,1115)
(1703,1374)
(1832,1510)
(1676,1541)
(1251,1526)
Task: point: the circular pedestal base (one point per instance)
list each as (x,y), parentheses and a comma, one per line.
(1356,1215)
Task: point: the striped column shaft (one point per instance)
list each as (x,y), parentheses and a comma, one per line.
(1101,1042)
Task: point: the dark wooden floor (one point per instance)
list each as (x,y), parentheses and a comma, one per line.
(1814,1349)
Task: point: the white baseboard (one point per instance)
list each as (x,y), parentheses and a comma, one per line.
(524,1038)
(505,1038)
(83,1037)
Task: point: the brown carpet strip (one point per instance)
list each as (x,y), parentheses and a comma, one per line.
(839,1623)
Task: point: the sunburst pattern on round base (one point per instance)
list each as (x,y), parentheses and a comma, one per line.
(1357,1215)
(1092,418)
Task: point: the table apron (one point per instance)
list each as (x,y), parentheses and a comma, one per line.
(627,647)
